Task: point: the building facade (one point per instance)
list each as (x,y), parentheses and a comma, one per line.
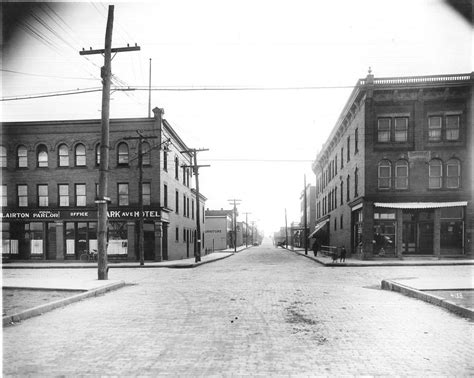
(219,229)
(50,175)
(395,176)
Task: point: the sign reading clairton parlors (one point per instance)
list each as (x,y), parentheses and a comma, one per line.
(117,214)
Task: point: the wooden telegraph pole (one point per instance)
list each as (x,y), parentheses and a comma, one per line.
(247,230)
(235,221)
(106,74)
(195,166)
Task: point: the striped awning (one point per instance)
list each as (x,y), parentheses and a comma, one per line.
(318,227)
(419,205)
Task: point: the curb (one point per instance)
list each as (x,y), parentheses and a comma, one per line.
(430,298)
(112,265)
(383,263)
(39,310)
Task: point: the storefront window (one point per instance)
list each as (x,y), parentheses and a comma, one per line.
(384,232)
(36,236)
(92,236)
(9,243)
(70,238)
(118,241)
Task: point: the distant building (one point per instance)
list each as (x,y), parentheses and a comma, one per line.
(395,177)
(219,229)
(310,215)
(50,176)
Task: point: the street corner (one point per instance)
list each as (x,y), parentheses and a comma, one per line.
(26,301)
(458,300)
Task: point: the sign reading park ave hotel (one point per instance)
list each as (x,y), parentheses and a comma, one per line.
(76,214)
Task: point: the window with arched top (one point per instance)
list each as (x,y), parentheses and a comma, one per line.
(3,156)
(63,156)
(435,174)
(42,156)
(22,157)
(146,153)
(122,154)
(80,155)
(453,174)
(384,174)
(401,174)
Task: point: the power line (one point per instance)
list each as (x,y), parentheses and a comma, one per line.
(52,76)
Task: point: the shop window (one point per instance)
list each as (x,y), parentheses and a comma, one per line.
(9,240)
(3,194)
(384,174)
(435,174)
(22,157)
(123,195)
(81,195)
(70,238)
(3,156)
(383,130)
(42,195)
(401,129)
(401,174)
(122,154)
(453,174)
(452,127)
(146,153)
(80,155)
(118,238)
(146,194)
(63,156)
(97,154)
(36,238)
(63,192)
(22,195)
(42,156)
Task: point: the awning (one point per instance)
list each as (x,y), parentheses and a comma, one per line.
(318,227)
(419,205)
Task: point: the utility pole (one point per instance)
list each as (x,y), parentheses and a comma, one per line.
(305,233)
(195,166)
(149,92)
(106,73)
(235,221)
(286,230)
(140,138)
(246,229)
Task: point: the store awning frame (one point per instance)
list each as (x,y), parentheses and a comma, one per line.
(318,227)
(419,205)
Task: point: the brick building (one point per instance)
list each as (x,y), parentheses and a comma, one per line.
(395,176)
(50,175)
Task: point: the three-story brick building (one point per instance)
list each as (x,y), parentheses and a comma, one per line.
(50,175)
(395,176)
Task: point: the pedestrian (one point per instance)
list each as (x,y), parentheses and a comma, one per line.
(315,247)
(343,255)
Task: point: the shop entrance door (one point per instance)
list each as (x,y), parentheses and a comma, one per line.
(149,240)
(409,238)
(425,239)
(164,242)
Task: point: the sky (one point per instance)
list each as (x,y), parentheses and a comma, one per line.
(301,59)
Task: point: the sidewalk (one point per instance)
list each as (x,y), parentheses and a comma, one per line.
(452,293)
(424,261)
(185,263)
